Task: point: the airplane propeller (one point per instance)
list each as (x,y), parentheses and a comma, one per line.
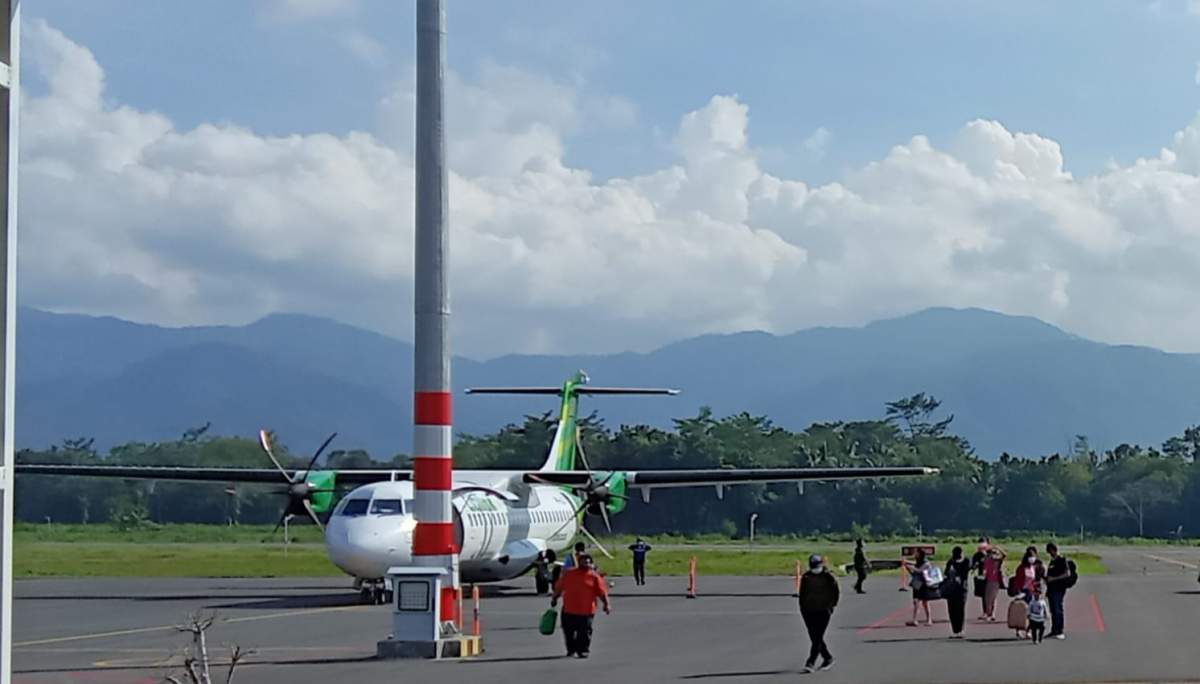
(595,498)
(299,493)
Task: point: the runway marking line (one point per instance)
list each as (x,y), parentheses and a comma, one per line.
(1096,613)
(898,613)
(164,628)
(1160,559)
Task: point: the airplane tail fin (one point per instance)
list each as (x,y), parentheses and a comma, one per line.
(563,449)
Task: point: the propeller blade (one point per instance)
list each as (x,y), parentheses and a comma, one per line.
(278,524)
(265,441)
(573,518)
(579,448)
(595,541)
(319,450)
(313,514)
(604,516)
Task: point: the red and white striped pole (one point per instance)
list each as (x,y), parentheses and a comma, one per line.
(433,469)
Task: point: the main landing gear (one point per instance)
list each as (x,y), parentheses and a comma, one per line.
(373,592)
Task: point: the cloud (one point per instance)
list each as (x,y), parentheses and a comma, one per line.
(309,9)
(364,47)
(126,214)
(817,144)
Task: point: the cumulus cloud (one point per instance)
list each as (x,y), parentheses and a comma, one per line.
(126,214)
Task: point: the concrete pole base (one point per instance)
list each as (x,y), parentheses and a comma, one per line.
(463,646)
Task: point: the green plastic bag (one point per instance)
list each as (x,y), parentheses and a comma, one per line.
(549,620)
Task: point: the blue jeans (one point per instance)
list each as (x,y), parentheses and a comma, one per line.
(1058,620)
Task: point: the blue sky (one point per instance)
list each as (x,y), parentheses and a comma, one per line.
(1109,80)
(625,174)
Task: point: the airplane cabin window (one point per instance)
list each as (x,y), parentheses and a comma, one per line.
(355,507)
(387,507)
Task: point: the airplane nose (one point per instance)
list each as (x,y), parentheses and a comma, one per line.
(371,545)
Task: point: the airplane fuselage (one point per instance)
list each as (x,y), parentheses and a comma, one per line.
(501,525)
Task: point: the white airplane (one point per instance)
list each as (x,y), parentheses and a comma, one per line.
(503,518)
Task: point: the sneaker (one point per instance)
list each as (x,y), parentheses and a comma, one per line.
(827,665)
(1060,637)
(808,668)
(583,654)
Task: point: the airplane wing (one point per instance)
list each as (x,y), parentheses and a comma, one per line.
(202,474)
(653,479)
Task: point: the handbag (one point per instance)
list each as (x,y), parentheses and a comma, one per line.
(548,622)
(980,586)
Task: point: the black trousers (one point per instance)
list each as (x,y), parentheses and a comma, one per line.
(1036,630)
(577,631)
(817,621)
(862,577)
(639,571)
(1057,614)
(957,607)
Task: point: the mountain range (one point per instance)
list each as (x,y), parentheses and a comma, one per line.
(1014,384)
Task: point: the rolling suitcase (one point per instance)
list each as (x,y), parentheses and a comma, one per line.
(1018,614)
(548,622)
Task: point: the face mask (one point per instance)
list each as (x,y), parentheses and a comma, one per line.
(817,570)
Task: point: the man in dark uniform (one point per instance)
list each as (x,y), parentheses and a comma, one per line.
(818,597)
(860,566)
(639,549)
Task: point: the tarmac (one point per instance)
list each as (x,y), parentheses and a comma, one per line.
(1137,624)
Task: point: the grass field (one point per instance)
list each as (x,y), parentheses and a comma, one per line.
(220,551)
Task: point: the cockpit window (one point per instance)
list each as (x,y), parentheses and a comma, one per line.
(355,507)
(387,507)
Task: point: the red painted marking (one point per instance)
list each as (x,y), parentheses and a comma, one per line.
(449,604)
(1096,613)
(898,613)
(434,539)
(432,408)
(433,474)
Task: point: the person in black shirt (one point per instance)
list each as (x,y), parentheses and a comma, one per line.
(818,598)
(1058,580)
(860,566)
(954,590)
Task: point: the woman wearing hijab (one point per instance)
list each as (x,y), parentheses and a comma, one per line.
(993,573)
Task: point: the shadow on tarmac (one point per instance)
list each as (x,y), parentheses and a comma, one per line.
(339,600)
(524,659)
(216,662)
(720,675)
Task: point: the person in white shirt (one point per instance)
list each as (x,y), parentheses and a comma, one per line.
(1039,608)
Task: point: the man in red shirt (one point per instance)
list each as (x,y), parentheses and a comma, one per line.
(580,587)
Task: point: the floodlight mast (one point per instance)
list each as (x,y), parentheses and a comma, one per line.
(10,44)
(433,539)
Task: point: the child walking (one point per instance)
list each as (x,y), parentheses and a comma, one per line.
(1039,608)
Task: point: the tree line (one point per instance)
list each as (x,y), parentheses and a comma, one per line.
(1130,490)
